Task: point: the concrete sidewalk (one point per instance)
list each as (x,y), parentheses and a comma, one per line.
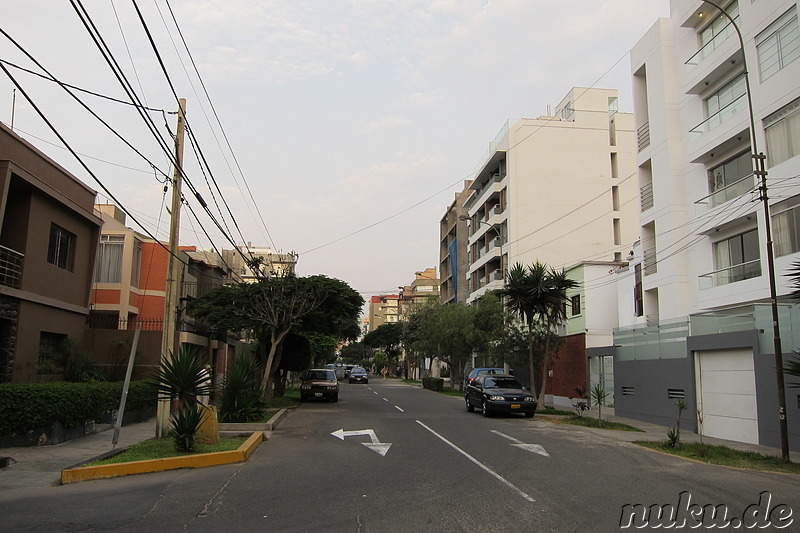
(41,466)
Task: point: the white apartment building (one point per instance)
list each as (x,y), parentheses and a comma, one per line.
(694,305)
(560,189)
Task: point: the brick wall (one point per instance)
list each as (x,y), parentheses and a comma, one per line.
(569,367)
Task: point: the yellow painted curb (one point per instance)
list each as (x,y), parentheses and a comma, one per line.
(200,460)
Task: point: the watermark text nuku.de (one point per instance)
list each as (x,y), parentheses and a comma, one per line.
(686,514)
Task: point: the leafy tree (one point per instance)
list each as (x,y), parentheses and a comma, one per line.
(537,293)
(273,307)
(385,337)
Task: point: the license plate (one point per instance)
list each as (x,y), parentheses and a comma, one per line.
(515,406)
(318,394)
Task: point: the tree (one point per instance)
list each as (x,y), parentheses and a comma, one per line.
(273,307)
(537,292)
(385,337)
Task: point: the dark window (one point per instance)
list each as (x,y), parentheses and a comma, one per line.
(51,346)
(638,302)
(61,250)
(575,303)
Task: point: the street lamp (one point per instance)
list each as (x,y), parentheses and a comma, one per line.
(760,172)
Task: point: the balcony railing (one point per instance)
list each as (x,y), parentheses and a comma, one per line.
(710,46)
(724,113)
(727,193)
(643,135)
(650,261)
(10,267)
(732,274)
(646,194)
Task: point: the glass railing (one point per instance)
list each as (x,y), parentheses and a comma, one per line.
(722,115)
(710,46)
(731,274)
(727,193)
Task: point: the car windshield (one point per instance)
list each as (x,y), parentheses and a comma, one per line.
(320,374)
(502,383)
(358,371)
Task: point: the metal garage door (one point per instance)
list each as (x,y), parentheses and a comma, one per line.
(726,391)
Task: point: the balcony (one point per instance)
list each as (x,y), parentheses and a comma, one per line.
(710,46)
(10,267)
(646,194)
(726,112)
(727,193)
(732,274)
(643,135)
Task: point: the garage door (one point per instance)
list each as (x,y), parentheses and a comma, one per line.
(726,389)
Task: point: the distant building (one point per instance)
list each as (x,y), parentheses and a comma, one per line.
(48,241)
(383,309)
(559,189)
(453,237)
(272,263)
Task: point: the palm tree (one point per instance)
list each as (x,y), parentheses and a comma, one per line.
(537,292)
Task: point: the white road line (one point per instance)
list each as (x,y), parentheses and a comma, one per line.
(535,448)
(512,439)
(385,400)
(484,467)
(399,409)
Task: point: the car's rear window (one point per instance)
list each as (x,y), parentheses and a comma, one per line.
(502,383)
(320,374)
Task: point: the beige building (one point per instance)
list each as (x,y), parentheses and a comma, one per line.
(273,263)
(559,188)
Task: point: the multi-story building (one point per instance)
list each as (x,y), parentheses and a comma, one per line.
(272,263)
(48,241)
(383,309)
(559,189)
(130,287)
(695,304)
(453,236)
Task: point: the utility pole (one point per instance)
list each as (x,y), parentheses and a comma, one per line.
(169,338)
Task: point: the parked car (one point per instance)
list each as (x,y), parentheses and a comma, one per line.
(499,393)
(358,375)
(320,384)
(480,371)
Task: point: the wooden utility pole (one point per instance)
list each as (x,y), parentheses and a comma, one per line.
(169,338)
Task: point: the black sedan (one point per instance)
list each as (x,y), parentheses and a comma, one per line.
(358,375)
(499,394)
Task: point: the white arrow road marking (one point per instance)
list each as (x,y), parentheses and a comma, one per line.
(535,448)
(376,446)
(483,466)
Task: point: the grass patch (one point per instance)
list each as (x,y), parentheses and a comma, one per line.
(452,392)
(550,410)
(413,381)
(590,422)
(722,455)
(162,448)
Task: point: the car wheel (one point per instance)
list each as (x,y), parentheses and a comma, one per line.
(529,415)
(470,407)
(485,407)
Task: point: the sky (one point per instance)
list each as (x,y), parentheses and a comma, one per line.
(338,129)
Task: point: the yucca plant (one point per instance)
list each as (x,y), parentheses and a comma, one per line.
(183,427)
(182,379)
(598,396)
(673,440)
(681,404)
(242,394)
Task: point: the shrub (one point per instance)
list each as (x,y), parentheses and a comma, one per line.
(435,384)
(183,427)
(242,394)
(27,406)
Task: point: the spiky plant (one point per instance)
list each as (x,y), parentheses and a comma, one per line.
(183,427)
(598,396)
(242,394)
(182,377)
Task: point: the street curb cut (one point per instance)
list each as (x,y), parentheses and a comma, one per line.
(86,473)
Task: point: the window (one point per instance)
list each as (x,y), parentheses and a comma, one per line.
(737,258)
(786,225)
(779,44)
(567,111)
(51,348)
(722,178)
(109,259)
(575,304)
(718,30)
(61,249)
(137,262)
(724,103)
(782,130)
(638,301)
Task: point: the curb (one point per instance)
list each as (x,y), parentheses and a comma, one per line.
(86,473)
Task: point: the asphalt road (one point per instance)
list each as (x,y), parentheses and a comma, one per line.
(430,466)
